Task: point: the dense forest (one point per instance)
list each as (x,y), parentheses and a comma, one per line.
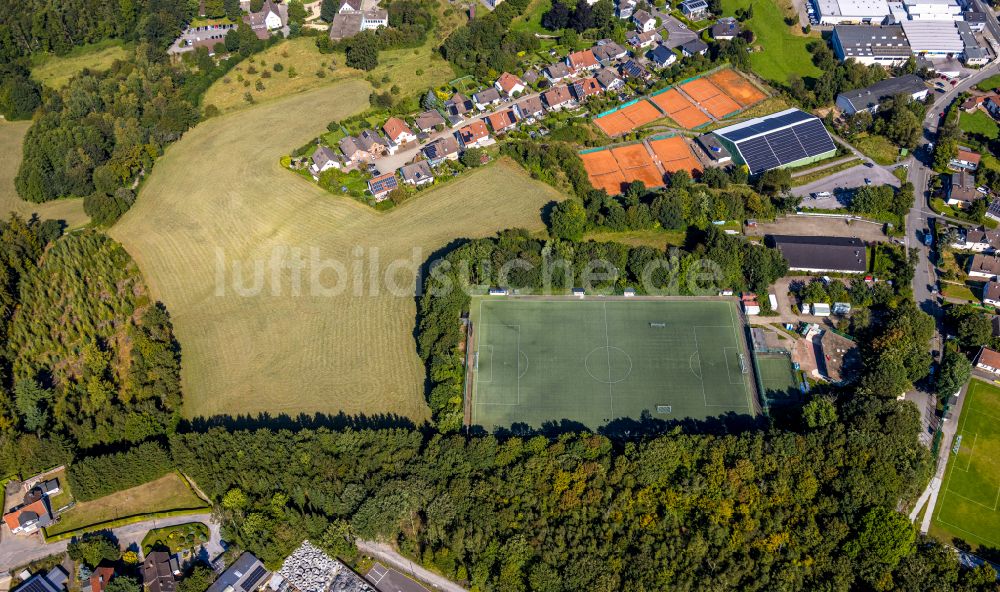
(92,360)
(95,137)
(810,508)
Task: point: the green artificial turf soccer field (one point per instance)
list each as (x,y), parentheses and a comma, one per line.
(968,506)
(593,361)
(778,378)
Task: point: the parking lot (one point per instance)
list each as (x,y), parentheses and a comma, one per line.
(840,186)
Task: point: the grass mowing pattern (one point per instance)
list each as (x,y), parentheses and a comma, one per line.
(593,361)
(220,191)
(969,503)
(11,140)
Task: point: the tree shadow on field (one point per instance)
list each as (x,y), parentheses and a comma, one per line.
(302,421)
(628,429)
(546,212)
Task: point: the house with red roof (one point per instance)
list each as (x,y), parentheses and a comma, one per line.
(509,85)
(382,185)
(586,88)
(502,120)
(100,577)
(31,515)
(398,132)
(475,135)
(582,61)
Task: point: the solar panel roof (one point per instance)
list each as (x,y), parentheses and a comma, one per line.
(765,125)
(780,140)
(250,583)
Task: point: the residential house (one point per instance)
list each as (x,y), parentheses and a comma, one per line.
(159,572)
(556,98)
(988,360)
(502,121)
(442,149)
(555,72)
(582,61)
(644,22)
(349,6)
(530,108)
(382,185)
(458,105)
(474,135)
(966,159)
(632,69)
(962,190)
(662,56)
(625,9)
(53,581)
(429,121)
(398,132)
(694,9)
(587,87)
(100,577)
(417,173)
(373,19)
(993,210)
(641,40)
(991,293)
(509,84)
(725,29)
(607,51)
(269,18)
(486,98)
(609,79)
(992,106)
(365,147)
(324,159)
(693,48)
(530,76)
(978,240)
(32,514)
(246,574)
(984,267)
(971,104)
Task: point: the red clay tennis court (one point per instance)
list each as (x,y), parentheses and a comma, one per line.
(680,109)
(737,87)
(700,89)
(720,106)
(637,165)
(674,155)
(628,119)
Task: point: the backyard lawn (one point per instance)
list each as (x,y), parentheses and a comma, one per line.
(782,52)
(988,84)
(55,71)
(531,20)
(959,291)
(979,122)
(169,492)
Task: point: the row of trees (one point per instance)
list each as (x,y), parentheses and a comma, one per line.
(803,508)
(97,476)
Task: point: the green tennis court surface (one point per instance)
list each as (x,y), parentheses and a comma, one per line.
(968,506)
(593,361)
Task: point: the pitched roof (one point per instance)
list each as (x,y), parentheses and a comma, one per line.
(383,183)
(345,24)
(871,96)
(608,50)
(585,88)
(963,187)
(100,577)
(473,132)
(508,81)
(981,235)
(246,574)
(428,119)
(531,106)
(32,510)
(157,573)
(607,77)
(641,16)
(694,46)
(663,55)
(441,147)
(582,59)
(557,70)
(968,155)
(988,357)
(484,97)
(725,28)
(323,155)
(830,253)
(416,172)
(557,95)
(992,291)
(458,104)
(985,264)
(502,120)
(395,127)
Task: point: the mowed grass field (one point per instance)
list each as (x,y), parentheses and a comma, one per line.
(594,361)
(968,506)
(11,139)
(169,492)
(219,197)
(782,50)
(979,122)
(55,71)
(412,70)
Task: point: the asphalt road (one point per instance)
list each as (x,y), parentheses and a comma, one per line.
(388,556)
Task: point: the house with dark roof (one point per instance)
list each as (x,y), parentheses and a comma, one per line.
(159,572)
(382,185)
(644,22)
(324,159)
(984,267)
(869,98)
(53,581)
(530,108)
(501,121)
(365,147)
(693,48)
(445,148)
(885,45)
(640,40)
(607,51)
(632,69)
(962,190)
(246,574)
(458,105)
(582,61)
(417,173)
(818,254)
(429,121)
(991,293)
(694,9)
(725,29)
(486,98)
(609,79)
(662,56)
(978,240)
(556,72)
(556,98)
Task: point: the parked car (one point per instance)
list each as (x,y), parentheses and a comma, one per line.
(870,164)
(868,181)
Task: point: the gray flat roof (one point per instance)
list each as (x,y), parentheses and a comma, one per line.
(864,98)
(863,40)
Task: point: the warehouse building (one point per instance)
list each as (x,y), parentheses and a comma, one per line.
(868,99)
(822,254)
(933,10)
(788,138)
(933,38)
(839,12)
(884,45)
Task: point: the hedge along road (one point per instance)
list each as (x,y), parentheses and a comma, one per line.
(220,194)
(17,550)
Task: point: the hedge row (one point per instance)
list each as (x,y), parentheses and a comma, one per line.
(98,476)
